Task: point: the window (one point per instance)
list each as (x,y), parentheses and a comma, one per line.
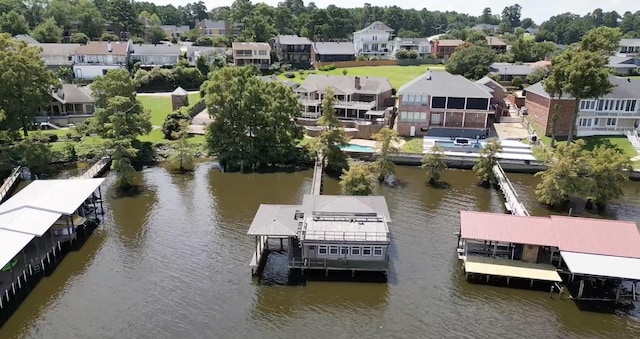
(262,52)
(413,116)
(377,251)
(355,250)
(585,122)
(322,250)
(333,250)
(600,104)
(366,250)
(611,121)
(344,250)
(631,105)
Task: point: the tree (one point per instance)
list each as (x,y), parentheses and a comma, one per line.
(253,120)
(538,74)
(332,137)
(517,82)
(203,66)
(434,162)
(386,141)
(487,160)
(563,177)
(182,158)
(358,180)
(26,83)
(472,61)
(579,74)
(511,15)
(114,83)
(13,23)
(36,155)
(156,34)
(487,17)
(527,23)
(171,128)
(604,40)
(606,174)
(65,74)
(80,38)
(47,32)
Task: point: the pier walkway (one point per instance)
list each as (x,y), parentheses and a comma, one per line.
(97,169)
(318,173)
(512,203)
(10,183)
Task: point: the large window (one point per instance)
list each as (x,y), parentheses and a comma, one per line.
(414,100)
(611,122)
(585,122)
(333,250)
(377,251)
(587,105)
(438,102)
(477,104)
(366,250)
(413,117)
(455,103)
(344,250)
(322,250)
(355,250)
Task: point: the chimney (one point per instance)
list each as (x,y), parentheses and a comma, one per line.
(109,49)
(357,82)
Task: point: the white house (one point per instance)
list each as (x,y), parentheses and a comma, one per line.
(96,58)
(629,47)
(375,40)
(420,45)
(152,55)
(252,53)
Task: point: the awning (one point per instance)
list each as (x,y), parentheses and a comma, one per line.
(602,265)
(511,268)
(11,243)
(375,113)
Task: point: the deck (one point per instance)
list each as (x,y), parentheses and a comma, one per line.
(510,269)
(512,203)
(339,265)
(10,183)
(318,172)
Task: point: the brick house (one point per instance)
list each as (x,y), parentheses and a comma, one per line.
(444,100)
(613,114)
(444,48)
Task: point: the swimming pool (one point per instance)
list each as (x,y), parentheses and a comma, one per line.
(451,144)
(358,148)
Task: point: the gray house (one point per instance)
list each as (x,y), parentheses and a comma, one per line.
(155,55)
(293,50)
(624,65)
(70,104)
(209,53)
(327,233)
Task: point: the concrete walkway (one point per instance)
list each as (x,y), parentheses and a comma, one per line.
(199,123)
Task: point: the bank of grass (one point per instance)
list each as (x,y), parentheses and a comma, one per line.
(398,75)
(413,145)
(160,106)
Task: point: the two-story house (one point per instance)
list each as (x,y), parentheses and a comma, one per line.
(497,45)
(293,50)
(70,104)
(327,52)
(420,45)
(375,40)
(629,47)
(209,53)
(211,28)
(443,48)
(155,55)
(58,55)
(441,99)
(613,114)
(96,58)
(173,31)
(252,53)
(357,97)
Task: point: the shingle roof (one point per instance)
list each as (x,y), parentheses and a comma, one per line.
(27,38)
(157,49)
(220,24)
(334,48)
(345,204)
(410,41)
(444,84)
(344,84)
(58,49)
(449,42)
(202,50)
(100,47)
(292,40)
(493,41)
(623,88)
(376,26)
(486,80)
(72,94)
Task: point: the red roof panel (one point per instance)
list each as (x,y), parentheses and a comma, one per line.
(507,228)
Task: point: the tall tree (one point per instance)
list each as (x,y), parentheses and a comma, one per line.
(47,32)
(607,175)
(487,17)
(511,15)
(434,163)
(386,141)
(13,23)
(358,180)
(604,40)
(471,61)
(487,160)
(26,83)
(332,137)
(114,83)
(253,120)
(566,168)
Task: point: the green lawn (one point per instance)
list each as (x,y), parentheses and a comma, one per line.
(160,106)
(412,146)
(398,75)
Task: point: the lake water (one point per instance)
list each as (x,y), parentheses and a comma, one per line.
(172,262)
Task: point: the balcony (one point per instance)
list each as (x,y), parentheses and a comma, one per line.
(609,114)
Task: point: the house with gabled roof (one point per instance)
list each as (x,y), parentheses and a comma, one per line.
(97,57)
(155,55)
(375,40)
(328,52)
(70,104)
(293,50)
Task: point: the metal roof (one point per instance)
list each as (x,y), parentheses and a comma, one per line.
(345,204)
(275,221)
(28,220)
(602,265)
(443,84)
(507,228)
(335,48)
(155,49)
(11,243)
(292,40)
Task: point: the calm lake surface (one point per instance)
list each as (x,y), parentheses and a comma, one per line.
(172,262)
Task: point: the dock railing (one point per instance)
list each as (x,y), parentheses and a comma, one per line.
(318,172)
(9,183)
(96,169)
(345,236)
(512,203)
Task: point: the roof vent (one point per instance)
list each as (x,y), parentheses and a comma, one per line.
(109,48)
(428,74)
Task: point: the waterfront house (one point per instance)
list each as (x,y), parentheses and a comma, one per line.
(629,47)
(327,233)
(210,28)
(508,71)
(155,55)
(443,48)
(173,31)
(550,250)
(252,53)
(357,97)
(442,99)
(328,52)
(58,55)
(624,65)
(613,114)
(496,44)
(375,40)
(70,104)
(209,53)
(96,58)
(497,91)
(293,50)
(421,45)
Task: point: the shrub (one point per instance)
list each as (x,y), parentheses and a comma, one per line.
(327,68)
(109,37)
(137,40)
(79,38)
(517,82)
(188,78)
(158,79)
(344,71)
(171,125)
(52,137)
(289,75)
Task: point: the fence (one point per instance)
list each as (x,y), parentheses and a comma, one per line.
(9,183)
(399,62)
(196,108)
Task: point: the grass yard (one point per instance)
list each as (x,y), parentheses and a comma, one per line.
(160,106)
(413,145)
(398,75)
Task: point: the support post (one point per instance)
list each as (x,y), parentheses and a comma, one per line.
(281,247)
(618,290)
(100,197)
(581,289)
(495,249)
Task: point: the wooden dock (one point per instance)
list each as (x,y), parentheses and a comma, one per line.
(10,183)
(318,173)
(97,169)
(512,203)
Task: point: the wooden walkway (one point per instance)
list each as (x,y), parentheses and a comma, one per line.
(512,204)
(97,169)
(318,173)
(10,183)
